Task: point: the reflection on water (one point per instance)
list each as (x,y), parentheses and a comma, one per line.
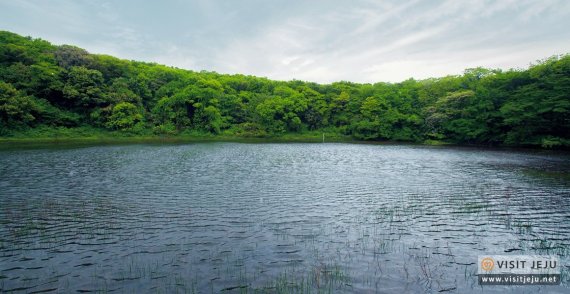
(233,217)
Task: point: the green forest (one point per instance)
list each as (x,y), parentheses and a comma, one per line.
(47,90)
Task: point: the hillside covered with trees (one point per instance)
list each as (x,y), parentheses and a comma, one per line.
(47,87)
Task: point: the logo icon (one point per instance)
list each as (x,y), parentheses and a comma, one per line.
(487,264)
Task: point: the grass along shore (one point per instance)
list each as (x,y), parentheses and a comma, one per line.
(90,135)
(87,135)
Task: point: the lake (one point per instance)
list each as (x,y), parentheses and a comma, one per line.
(288,217)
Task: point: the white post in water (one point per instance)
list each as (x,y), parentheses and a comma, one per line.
(323,137)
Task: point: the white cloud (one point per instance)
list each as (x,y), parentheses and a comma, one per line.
(321,40)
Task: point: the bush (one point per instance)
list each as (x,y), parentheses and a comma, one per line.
(165,129)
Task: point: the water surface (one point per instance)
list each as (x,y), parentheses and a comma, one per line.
(231,217)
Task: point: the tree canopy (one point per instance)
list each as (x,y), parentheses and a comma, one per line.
(65,86)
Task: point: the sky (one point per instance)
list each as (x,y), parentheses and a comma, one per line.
(313,40)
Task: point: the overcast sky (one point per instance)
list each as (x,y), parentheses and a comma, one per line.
(314,40)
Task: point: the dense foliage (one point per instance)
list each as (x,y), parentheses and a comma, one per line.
(42,85)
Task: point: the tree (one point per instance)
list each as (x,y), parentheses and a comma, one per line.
(15,107)
(175,111)
(125,116)
(68,56)
(281,114)
(84,88)
(377,120)
(119,91)
(538,110)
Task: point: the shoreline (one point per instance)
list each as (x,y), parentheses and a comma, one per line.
(103,140)
(77,141)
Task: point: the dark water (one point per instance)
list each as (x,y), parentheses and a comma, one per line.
(232,217)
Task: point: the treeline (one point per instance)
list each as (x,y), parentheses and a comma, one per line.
(42,85)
